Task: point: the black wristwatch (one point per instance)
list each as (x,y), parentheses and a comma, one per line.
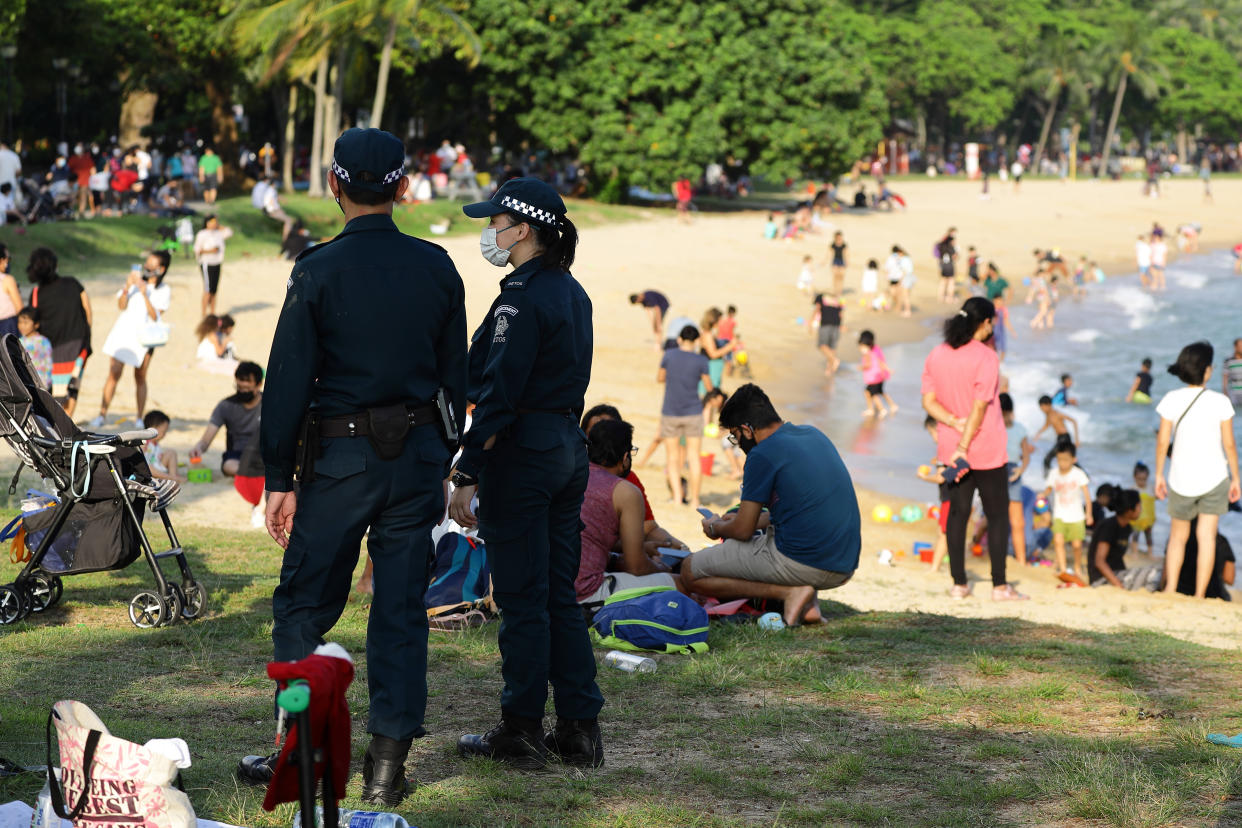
(460,479)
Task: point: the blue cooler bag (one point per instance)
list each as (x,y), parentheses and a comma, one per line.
(659,619)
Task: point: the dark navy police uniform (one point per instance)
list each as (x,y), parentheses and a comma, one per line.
(372,318)
(529,366)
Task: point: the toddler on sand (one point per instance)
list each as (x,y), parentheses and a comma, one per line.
(1070,517)
(806,276)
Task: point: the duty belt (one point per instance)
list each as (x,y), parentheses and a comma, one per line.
(358,425)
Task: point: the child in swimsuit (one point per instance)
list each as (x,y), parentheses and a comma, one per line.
(1140,389)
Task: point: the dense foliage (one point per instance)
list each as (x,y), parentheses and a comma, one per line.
(647,90)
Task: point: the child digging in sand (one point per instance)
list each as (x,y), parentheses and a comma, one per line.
(1070,516)
(874,373)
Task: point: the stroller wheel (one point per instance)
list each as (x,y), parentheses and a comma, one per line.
(147,609)
(44,590)
(195,600)
(175,599)
(13,604)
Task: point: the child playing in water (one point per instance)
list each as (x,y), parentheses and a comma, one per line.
(1070,516)
(770,228)
(1041,294)
(934,473)
(1056,421)
(806,276)
(1140,389)
(1147,507)
(163,461)
(1062,397)
(874,373)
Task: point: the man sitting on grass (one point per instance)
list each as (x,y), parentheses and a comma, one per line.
(612,514)
(810,536)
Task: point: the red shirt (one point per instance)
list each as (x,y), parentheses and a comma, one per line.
(959,377)
(725,328)
(82,166)
(647,513)
(123,179)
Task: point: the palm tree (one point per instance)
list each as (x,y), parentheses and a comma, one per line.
(1128,55)
(411,26)
(1059,68)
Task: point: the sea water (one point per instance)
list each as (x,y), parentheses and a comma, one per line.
(1100,339)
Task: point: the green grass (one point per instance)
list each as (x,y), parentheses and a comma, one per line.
(98,246)
(907,719)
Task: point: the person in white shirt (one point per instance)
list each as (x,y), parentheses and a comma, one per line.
(10,166)
(8,206)
(209,251)
(1196,441)
(1142,256)
(143,301)
(273,210)
(1159,260)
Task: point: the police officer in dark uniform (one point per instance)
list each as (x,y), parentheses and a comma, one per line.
(530,363)
(372,331)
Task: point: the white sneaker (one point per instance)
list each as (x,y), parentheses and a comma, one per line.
(258,517)
(98,422)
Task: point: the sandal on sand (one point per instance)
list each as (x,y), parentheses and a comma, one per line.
(1008,593)
(1070,579)
(960,591)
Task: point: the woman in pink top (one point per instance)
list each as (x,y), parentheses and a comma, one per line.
(960,382)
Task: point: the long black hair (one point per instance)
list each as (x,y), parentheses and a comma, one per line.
(960,327)
(559,245)
(1193,362)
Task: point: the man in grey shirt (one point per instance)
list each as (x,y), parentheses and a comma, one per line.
(238,415)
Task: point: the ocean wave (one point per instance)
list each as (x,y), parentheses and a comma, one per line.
(1137,304)
(1189,279)
(1085,335)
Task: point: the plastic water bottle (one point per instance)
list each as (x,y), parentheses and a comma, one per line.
(630,662)
(44,815)
(357,819)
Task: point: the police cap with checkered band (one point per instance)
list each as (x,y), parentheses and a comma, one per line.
(370,159)
(527,197)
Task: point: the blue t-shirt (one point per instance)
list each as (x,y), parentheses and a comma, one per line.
(1060,398)
(683,370)
(798,474)
(1015,434)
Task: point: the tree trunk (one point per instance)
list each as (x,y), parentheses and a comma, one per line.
(223,125)
(290,144)
(137,113)
(333,105)
(1112,123)
(1183,144)
(381,83)
(315,173)
(1073,153)
(1047,128)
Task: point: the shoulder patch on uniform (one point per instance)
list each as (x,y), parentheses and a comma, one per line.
(518,283)
(509,309)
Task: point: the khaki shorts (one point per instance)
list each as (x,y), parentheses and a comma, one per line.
(1214,502)
(1071,531)
(678,427)
(758,560)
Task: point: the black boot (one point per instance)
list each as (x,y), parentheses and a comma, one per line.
(383,770)
(515,740)
(257,770)
(576,742)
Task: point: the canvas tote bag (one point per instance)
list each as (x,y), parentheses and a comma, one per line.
(109,782)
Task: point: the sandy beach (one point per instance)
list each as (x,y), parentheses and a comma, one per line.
(724,259)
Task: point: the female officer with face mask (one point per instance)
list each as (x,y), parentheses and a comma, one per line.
(530,363)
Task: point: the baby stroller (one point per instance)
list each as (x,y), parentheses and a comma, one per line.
(44,203)
(93,523)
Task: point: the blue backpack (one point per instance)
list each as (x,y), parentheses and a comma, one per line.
(461,579)
(658,619)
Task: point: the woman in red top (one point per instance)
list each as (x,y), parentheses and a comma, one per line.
(960,383)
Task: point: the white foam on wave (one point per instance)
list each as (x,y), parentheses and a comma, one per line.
(1085,335)
(1189,279)
(1138,305)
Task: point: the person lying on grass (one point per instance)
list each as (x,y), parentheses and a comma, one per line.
(810,537)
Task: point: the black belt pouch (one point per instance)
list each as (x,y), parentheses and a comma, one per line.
(389,427)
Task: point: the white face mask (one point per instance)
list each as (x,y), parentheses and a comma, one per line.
(494,253)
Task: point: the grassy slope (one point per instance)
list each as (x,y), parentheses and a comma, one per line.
(111,245)
(873,719)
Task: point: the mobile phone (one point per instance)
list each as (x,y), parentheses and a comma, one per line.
(670,552)
(704,512)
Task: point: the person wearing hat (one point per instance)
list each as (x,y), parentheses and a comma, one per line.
(372,328)
(530,363)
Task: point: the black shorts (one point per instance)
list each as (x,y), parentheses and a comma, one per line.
(211,277)
(875,389)
(210,181)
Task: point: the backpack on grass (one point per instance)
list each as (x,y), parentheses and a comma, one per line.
(658,619)
(459,594)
